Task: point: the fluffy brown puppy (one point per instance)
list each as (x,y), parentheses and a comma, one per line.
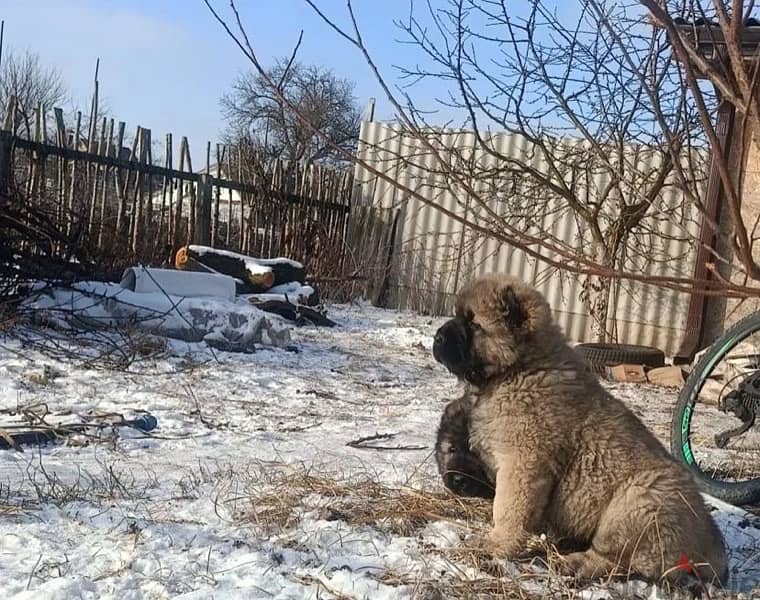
(568,457)
(463,472)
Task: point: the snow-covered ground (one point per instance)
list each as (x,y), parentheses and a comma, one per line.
(248,488)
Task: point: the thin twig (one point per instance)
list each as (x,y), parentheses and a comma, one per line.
(364,443)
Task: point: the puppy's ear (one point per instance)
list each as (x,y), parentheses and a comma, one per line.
(514,316)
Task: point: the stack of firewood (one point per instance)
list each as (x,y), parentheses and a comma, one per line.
(276,285)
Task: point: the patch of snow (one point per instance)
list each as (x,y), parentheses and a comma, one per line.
(174,514)
(294,293)
(292,288)
(192,319)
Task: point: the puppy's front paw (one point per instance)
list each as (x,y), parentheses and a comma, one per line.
(496,544)
(587,565)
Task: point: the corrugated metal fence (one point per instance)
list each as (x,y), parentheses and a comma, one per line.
(434,254)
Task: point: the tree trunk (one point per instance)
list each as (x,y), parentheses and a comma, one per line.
(596,297)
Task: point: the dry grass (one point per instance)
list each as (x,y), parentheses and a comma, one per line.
(279,498)
(285,504)
(102,483)
(360,501)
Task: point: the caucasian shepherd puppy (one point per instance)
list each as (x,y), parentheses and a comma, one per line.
(567,457)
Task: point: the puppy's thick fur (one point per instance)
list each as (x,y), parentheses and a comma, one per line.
(569,458)
(463,472)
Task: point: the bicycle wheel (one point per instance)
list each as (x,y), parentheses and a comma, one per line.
(714,431)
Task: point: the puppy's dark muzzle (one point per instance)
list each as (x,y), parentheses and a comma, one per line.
(450,345)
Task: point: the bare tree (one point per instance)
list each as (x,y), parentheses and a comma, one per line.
(605,93)
(23,75)
(596,153)
(259,116)
(732,68)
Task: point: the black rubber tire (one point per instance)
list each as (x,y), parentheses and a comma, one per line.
(600,356)
(737,493)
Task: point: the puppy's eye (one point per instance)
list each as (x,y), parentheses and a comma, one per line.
(476,326)
(452,450)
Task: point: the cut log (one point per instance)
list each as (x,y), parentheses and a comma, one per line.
(284,269)
(252,277)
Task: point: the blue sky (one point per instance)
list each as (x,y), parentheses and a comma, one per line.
(165,63)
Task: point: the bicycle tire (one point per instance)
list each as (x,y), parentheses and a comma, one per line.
(599,356)
(736,493)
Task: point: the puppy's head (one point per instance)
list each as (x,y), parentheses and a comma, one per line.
(463,472)
(497,319)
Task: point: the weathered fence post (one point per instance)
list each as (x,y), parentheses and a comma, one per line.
(7,129)
(203,211)
(217,198)
(382,293)
(6,143)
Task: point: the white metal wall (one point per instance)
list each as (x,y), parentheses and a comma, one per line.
(435,256)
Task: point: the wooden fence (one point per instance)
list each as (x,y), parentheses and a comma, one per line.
(118,204)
